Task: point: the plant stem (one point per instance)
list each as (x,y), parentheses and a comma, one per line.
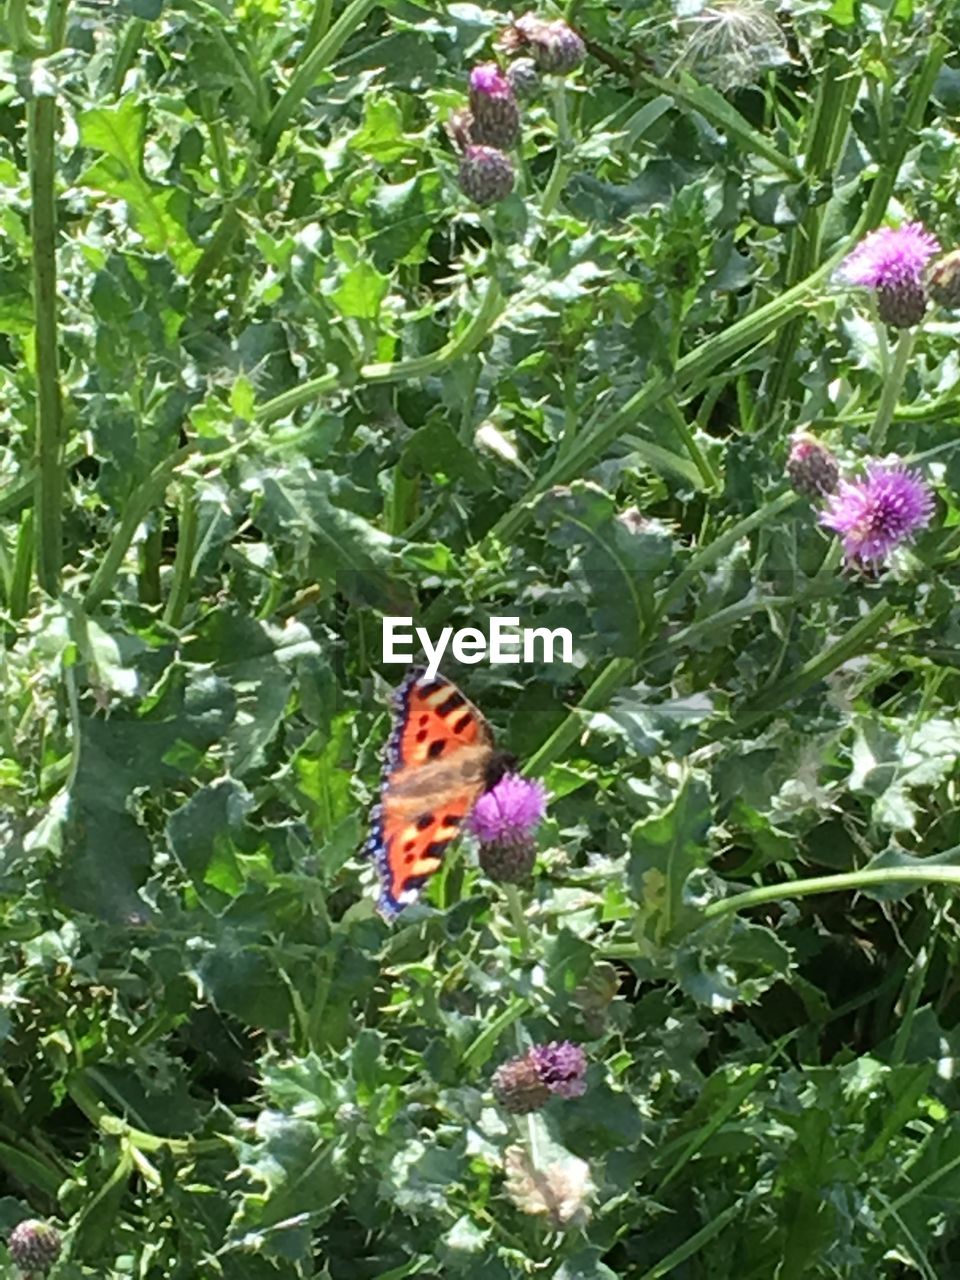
(41,137)
(561,164)
(417,367)
(518,916)
(833,884)
(22,567)
(184,560)
(309,70)
(853,643)
(700,460)
(892,386)
(712,552)
(136,509)
(319,23)
(613,675)
(126,53)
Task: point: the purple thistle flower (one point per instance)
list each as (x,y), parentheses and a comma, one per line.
(510,811)
(879,513)
(562,1067)
(892,262)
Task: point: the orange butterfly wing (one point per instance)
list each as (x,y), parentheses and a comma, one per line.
(436,767)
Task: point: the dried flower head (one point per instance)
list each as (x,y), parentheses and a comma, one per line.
(559,1191)
(496,116)
(554,46)
(892,262)
(730,43)
(811,467)
(517,1086)
(486,175)
(879,513)
(511,810)
(459,127)
(943,280)
(34,1246)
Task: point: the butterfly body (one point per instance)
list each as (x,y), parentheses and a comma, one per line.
(440,758)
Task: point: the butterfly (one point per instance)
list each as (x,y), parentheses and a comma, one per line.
(440,758)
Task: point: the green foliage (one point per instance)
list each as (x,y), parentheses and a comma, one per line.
(267,377)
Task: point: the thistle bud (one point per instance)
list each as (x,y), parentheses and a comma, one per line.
(524,77)
(508,861)
(943,280)
(902,305)
(486,175)
(34,1246)
(811,467)
(554,46)
(496,116)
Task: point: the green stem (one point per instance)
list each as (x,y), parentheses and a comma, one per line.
(832,884)
(892,386)
(400,370)
(184,561)
(837,93)
(619,670)
(714,107)
(126,53)
(41,138)
(687,380)
(700,460)
(136,509)
(888,172)
(812,672)
(22,567)
(151,552)
(562,165)
(518,916)
(309,71)
(87,1101)
(712,552)
(613,675)
(319,24)
(218,247)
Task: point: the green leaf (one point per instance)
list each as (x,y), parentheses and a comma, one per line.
(360,292)
(664,850)
(616,559)
(158,212)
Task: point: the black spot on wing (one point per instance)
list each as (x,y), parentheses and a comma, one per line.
(435,849)
(450,704)
(424,821)
(435,748)
(465,719)
(452,820)
(426,687)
